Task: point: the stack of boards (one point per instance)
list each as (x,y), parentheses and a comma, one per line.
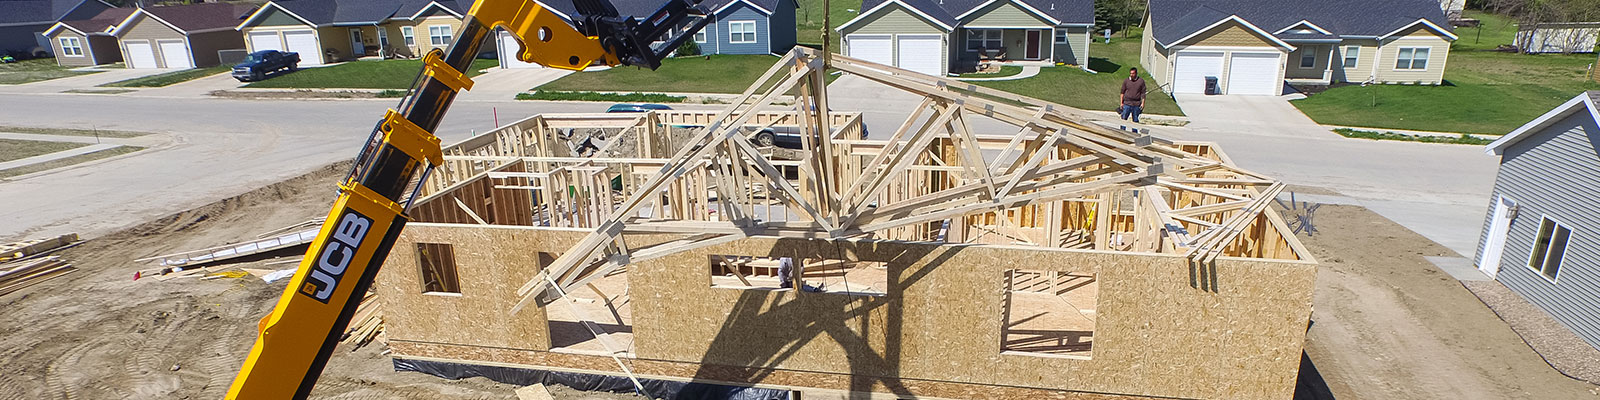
(22,264)
(367,324)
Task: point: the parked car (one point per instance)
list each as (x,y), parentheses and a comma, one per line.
(635,108)
(257,65)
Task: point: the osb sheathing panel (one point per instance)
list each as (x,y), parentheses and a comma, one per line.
(1232,329)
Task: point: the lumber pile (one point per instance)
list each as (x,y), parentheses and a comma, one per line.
(366,325)
(25,249)
(18,275)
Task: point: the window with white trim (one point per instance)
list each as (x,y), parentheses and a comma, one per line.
(700,36)
(409,35)
(439,35)
(1412,58)
(984,39)
(1549,248)
(1352,56)
(741,31)
(70,46)
(1061,36)
(1308,57)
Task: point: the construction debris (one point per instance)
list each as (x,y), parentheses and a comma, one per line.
(18,275)
(367,325)
(24,249)
(291,236)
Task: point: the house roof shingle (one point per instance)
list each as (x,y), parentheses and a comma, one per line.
(200,17)
(106,19)
(36,11)
(338,12)
(945,11)
(1176,19)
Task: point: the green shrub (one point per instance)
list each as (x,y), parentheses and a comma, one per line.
(1388,135)
(688,48)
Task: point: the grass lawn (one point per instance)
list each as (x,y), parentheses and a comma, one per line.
(39,69)
(721,73)
(170,77)
(808,20)
(1075,88)
(386,74)
(1485,92)
(71,132)
(78,159)
(20,149)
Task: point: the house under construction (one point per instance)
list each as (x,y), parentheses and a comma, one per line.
(1058,259)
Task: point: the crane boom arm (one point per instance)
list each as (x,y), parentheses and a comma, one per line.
(297,338)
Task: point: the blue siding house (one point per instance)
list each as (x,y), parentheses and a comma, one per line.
(749,27)
(1541,237)
(736,27)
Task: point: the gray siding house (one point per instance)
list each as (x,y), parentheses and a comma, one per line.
(87,42)
(185,36)
(23,22)
(937,37)
(1541,237)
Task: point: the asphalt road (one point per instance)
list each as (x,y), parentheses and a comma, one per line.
(218,148)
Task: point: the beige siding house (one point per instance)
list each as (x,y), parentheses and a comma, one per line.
(87,42)
(179,36)
(328,31)
(951,36)
(1255,47)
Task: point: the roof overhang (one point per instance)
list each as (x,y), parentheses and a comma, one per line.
(263,9)
(1424,22)
(58,26)
(1252,27)
(433,4)
(1580,104)
(124,24)
(1313,41)
(1019,3)
(884,5)
(1305,23)
(763,10)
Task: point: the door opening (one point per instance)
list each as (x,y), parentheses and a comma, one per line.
(1034,37)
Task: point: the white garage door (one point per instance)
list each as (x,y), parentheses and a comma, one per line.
(873,48)
(265,41)
(1254,73)
(140,54)
(305,43)
(920,53)
(508,53)
(174,54)
(1192,68)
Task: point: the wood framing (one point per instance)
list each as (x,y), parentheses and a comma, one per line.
(1202,290)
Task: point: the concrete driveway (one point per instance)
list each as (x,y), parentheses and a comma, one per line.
(196,88)
(1441,191)
(501,84)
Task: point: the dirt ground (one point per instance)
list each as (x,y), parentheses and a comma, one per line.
(1387,324)
(97,334)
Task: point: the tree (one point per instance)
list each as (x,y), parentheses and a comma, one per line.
(1118,15)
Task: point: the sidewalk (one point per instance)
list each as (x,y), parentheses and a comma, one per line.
(95,144)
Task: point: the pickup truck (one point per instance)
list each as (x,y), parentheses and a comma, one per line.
(257,65)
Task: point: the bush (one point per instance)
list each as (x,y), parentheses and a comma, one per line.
(1389,135)
(689,48)
(596,96)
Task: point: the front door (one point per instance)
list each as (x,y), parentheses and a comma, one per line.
(357,49)
(1495,244)
(383,42)
(1033,44)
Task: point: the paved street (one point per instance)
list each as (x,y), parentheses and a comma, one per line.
(223,147)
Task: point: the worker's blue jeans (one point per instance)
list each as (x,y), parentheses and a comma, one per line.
(1128,111)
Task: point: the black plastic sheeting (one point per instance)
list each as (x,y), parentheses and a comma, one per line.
(659,389)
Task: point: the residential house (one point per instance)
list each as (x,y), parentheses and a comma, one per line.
(1558,37)
(23,22)
(1254,46)
(936,37)
(735,26)
(87,42)
(184,36)
(326,31)
(1541,237)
